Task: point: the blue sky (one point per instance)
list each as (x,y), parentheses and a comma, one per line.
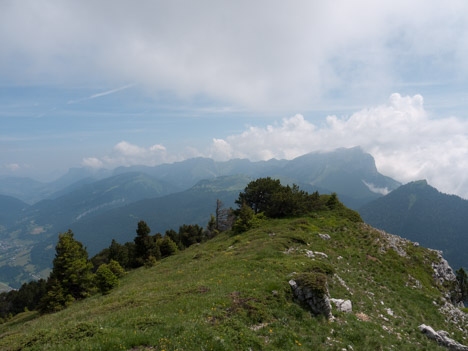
(110,83)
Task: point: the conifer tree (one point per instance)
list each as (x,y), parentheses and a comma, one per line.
(71,277)
(143,243)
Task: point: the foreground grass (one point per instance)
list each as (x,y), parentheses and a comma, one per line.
(232,293)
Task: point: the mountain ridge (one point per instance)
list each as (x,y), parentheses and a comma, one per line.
(234,292)
(421,213)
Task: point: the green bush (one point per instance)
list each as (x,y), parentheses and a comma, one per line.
(105,279)
(316,282)
(116,268)
(321,267)
(244,219)
(167,247)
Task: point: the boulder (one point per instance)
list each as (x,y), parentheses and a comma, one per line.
(343,305)
(442,338)
(324,236)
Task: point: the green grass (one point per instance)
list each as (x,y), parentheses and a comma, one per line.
(232,293)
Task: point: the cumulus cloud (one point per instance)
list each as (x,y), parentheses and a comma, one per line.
(92,162)
(263,54)
(127,154)
(405,141)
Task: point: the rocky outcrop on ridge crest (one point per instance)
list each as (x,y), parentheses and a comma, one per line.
(442,270)
(391,241)
(443,274)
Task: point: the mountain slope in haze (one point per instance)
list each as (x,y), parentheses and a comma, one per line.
(25,189)
(233,293)
(40,223)
(421,213)
(92,199)
(10,208)
(192,206)
(185,174)
(351,173)
(32,191)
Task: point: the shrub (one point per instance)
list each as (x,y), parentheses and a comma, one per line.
(321,267)
(244,219)
(167,247)
(316,282)
(105,279)
(116,268)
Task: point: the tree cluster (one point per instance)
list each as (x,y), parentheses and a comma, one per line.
(146,249)
(27,297)
(268,197)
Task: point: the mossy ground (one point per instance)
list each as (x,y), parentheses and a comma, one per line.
(232,293)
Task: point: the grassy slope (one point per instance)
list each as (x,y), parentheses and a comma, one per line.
(219,296)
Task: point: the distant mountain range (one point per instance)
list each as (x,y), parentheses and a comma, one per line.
(421,213)
(99,206)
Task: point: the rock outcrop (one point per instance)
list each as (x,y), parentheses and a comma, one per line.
(455,315)
(317,299)
(443,274)
(442,338)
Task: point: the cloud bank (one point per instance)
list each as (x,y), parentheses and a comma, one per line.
(262,55)
(127,154)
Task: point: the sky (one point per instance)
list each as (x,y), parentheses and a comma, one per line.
(101,84)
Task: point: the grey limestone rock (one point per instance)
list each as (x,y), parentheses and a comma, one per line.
(442,338)
(324,236)
(318,303)
(343,305)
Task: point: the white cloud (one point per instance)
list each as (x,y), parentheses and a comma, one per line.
(127,154)
(263,54)
(405,141)
(92,162)
(376,189)
(127,149)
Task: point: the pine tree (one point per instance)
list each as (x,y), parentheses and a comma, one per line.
(71,277)
(244,219)
(143,243)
